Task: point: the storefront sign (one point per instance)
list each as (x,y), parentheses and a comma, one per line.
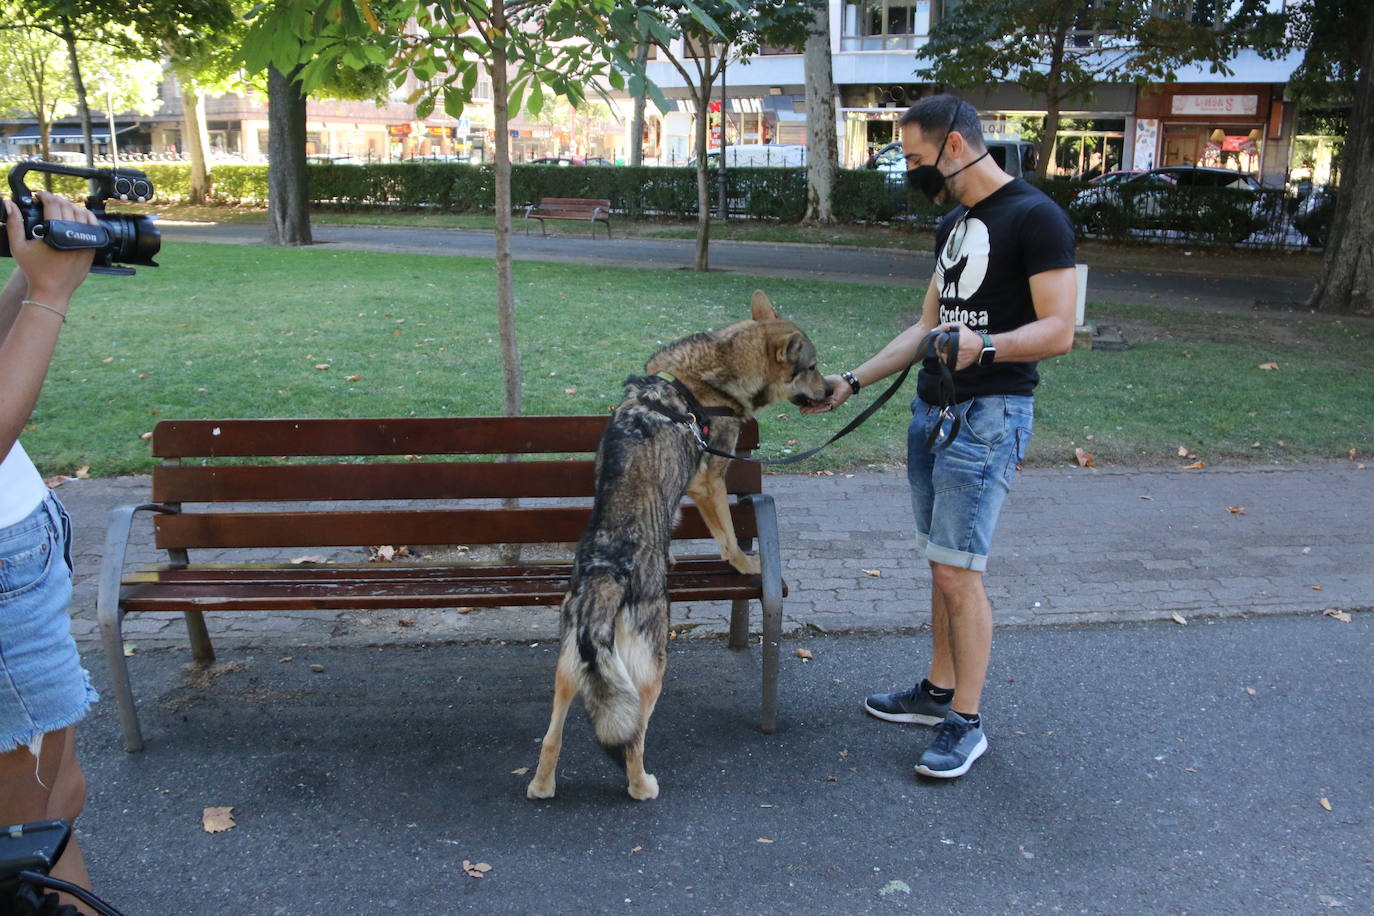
(1001,130)
(398,130)
(439,132)
(1146,142)
(1215,104)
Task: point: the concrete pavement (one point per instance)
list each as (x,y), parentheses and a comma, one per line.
(1074,545)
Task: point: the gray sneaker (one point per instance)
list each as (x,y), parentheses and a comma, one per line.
(957,744)
(914,706)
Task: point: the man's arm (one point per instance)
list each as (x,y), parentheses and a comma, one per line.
(1054,293)
(899,353)
(10,297)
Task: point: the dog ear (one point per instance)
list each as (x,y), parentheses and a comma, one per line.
(796,350)
(760,309)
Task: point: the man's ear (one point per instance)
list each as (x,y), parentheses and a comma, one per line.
(760,309)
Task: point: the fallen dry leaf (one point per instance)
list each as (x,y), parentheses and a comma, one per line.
(1250,690)
(1084,459)
(1315,588)
(1195,466)
(318,669)
(765,840)
(520,772)
(1342,616)
(1236,510)
(405,623)
(1183,451)
(475,870)
(217,820)
(309,558)
(322,366)
(354,378)
(1351,453)
(108,359)
(570,391)
(286,658)
(146,436)
(804,653)
(55,481)
(875,573)
(1267,367)
(1324,802)
(1179,618)
(83,472)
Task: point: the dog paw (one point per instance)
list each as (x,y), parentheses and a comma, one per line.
(745,563)
(645,789)
(540,789)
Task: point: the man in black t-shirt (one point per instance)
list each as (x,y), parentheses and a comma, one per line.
(1004,278)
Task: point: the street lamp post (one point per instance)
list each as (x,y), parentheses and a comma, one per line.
(107,85)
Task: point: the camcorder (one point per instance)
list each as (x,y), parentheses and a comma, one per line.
(118,238)
(27,853)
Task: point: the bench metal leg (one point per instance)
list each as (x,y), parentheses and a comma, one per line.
(770,567)
(739,612)
(202,650)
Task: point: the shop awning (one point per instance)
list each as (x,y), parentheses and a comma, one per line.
(100,133)
(1247,67)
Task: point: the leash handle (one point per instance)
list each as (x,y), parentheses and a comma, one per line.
(929,347)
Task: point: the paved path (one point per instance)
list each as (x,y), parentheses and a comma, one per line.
(813,262)
(1074,545)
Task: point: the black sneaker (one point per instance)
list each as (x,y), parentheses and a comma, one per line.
(958,742)
(912,706)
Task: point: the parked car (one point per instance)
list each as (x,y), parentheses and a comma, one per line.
(570,160)
(1313,216)
(1115,175)
(1222,203)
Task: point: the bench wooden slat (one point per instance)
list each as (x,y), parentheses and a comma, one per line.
(191,531)
(420,480)
(573,203)
(254,591)
(310,572)
(387,436)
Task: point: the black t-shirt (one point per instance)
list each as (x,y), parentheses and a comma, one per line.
(986,255)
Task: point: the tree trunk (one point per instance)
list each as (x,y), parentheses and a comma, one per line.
(637,127)
(703,259)
(822,146)
(1346,284)
(288,189)
(1054,95)
(505,284)
(195,138)
(87,134)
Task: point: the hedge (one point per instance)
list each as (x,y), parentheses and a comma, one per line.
(1192,215)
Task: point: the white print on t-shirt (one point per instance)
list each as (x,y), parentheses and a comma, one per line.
(960,269)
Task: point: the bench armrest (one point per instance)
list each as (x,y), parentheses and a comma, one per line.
(111,616)
(769,544)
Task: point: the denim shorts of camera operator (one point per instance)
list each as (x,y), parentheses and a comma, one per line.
(957,492)
(43,687)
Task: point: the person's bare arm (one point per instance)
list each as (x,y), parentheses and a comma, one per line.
(32,335)
(1054,293)
(899,353)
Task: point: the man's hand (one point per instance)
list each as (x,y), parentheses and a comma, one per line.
(970,343)
(840,392)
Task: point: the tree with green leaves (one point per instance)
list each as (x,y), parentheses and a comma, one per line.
(1057,50)
(713,32)
(36,79)
(1337,41)
(534,50)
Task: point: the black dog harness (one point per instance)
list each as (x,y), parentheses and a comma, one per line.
(930,347)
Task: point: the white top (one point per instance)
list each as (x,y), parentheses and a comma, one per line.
(21,487)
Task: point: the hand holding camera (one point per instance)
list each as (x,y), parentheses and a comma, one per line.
(112,237)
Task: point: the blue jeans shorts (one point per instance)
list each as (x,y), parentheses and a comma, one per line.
(958,491)
(43,687)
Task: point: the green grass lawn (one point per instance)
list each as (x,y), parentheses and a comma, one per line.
(225,331)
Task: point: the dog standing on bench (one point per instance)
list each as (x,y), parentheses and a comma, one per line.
(614,619)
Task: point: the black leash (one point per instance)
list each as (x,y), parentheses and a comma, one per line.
(930,347)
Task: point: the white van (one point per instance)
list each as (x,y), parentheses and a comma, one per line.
(757,155)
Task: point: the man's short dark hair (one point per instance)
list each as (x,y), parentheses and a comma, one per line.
(933,115)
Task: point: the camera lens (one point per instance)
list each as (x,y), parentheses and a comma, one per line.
(133,239)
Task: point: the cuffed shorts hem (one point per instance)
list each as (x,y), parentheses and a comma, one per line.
(947,556)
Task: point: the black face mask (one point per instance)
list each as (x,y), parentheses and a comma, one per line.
(928,179)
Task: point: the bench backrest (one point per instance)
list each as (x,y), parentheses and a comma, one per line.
(573,203)
(209,463)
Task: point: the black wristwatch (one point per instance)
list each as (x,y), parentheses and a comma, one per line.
(989,351)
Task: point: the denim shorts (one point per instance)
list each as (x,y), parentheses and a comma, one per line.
(958,491)
(43,687)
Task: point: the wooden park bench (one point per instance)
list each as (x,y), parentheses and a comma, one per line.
(575,208)
(231,486)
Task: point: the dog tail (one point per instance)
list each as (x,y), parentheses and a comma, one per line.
(608,688)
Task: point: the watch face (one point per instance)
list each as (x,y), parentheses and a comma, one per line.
(987,356)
